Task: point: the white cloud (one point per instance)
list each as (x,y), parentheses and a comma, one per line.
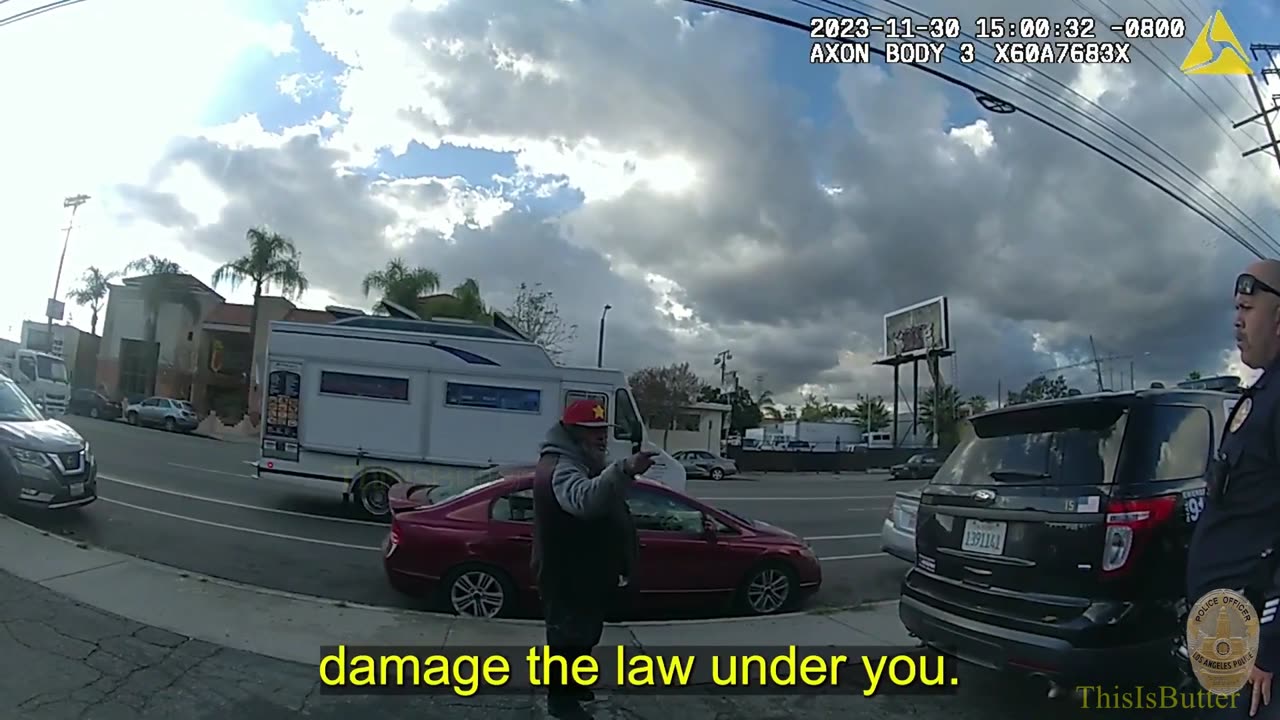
(297,86)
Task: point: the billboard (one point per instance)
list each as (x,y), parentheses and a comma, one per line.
(917,330)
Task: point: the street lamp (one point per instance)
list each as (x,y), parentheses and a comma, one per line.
(53,307)
(600,341)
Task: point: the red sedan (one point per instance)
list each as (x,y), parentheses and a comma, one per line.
(470,542)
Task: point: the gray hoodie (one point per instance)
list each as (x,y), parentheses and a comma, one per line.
(588,495)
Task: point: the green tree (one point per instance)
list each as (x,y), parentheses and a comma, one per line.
(744,411)
(92,291)
(272,260)
(1193,375)
(536,313)
(401,284)
(662,393)
(976,404)
(870,414)
(1040,388)
(463,303)
(944,404)
(163,283)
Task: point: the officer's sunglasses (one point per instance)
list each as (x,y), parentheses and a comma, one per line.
(1247,284)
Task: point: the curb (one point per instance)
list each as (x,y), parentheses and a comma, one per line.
(440,616)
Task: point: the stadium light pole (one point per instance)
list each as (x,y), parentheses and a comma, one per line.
(600,340)
(74,202)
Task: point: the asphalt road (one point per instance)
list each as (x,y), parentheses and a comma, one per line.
(194,503)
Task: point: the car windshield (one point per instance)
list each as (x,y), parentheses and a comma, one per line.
(15,406)
(186,406)
(51,369)
(463,484)
(1073,444)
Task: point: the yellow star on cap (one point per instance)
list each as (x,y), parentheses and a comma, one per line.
(599,411)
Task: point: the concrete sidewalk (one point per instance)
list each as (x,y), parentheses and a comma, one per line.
(293,627)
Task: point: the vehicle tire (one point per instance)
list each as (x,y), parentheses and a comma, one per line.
(769,588)
(93,413)
(479,591)
(170,425)
(717,474)
(373,495)
(132,418)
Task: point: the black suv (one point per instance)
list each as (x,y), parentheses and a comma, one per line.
(1052,542)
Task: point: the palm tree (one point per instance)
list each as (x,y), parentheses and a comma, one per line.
(93,290)
(465,302)
(163,284)
(272,259)
(943,403)
(400,283)
(976,404)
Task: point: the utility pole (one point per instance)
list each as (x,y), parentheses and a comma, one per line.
(722,359)
(1264,113)
(600,340)
(52,307)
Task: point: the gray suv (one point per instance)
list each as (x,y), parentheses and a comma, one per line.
(43,462)
(168,413)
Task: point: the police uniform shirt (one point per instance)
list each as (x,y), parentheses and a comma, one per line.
(1237,528)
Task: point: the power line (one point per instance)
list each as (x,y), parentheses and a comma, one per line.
(1198,185)
(996,104)
(33,12)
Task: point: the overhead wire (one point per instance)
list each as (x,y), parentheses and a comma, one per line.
(982,96)
(36,11)
(1197,183)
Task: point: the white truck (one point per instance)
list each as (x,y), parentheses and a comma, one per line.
(43,377)
(365,402)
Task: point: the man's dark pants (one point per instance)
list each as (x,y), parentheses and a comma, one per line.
(574,613)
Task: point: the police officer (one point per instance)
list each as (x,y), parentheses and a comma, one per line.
(1238,534)
(582,538)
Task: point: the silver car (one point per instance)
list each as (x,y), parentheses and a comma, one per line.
(898,536)
(705,464)
(168,413)
(43,462)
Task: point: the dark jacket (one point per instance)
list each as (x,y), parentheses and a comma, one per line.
(583,535)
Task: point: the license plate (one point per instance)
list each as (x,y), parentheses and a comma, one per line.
(984,536)
(77,489)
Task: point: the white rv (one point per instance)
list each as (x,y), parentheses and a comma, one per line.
(365,402)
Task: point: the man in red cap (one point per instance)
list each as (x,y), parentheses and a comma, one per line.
(581,537)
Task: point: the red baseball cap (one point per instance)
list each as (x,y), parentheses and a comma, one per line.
(586,413)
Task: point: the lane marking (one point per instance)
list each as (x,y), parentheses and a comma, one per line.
(245,506)
(252,531)
(797,499)
(844,537)
(870,509)
(864,556)
(215,472)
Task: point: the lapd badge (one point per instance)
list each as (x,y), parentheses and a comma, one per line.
(1246,404)
(1222,641)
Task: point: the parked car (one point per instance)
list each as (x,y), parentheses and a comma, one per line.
(702,463)
(898,536)
(1052,542)
(43,462)
(85,401)
(470,542)
(171,414)
(917,467)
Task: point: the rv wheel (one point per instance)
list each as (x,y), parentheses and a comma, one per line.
(373,494)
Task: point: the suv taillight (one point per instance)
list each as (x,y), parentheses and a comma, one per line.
(1130,524)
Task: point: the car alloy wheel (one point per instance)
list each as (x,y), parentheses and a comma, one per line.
(476,592)
(768,590)
(170,425)
(93,413)
(717,474)
(133,418)
(375,496)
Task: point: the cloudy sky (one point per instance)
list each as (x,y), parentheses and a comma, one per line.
(691,169)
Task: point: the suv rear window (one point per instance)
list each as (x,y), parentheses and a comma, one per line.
(1174,444)
(1069,444)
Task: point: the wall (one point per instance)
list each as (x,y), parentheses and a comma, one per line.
(708,438)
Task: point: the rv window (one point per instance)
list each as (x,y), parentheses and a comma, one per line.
(571,396)
(626,421)
(364,386)
(492,397)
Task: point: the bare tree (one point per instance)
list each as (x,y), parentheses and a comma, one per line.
(536,313)
(662,392)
